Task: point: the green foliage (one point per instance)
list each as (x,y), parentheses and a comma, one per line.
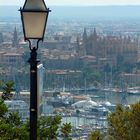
(94,135)
(14,119)
(124,123)
(66,130)
(5,131)
(7,88)
(20,133)
(3,109)
(1,84)
(91,75)
(48,127)
(12,128)
(108,137)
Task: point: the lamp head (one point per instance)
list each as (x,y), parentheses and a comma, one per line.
(34,15)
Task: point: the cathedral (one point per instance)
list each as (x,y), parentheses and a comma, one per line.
(112,49)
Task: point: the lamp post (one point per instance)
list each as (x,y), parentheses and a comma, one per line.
(34,15)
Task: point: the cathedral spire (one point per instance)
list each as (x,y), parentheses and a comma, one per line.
(85,35)
(94,34)
(77,47)
(15,42)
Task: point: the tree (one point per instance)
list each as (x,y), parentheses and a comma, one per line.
(48,127)
(91,75)
(11,127)
(66,130)
(94,135)
(124,123)
(3,109)
(1,84)
(108,137)
(14,119)
(7,88)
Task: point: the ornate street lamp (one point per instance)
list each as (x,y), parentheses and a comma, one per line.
(34,15)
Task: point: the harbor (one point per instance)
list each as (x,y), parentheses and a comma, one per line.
(88,112)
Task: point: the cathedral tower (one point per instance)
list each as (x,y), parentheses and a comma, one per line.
(15,42)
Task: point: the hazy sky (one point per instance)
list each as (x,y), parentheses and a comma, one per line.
(76,2)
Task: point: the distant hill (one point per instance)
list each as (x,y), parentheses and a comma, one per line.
(69,12)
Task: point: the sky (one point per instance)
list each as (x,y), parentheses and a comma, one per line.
(76,2)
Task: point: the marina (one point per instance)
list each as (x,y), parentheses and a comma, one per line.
(89,112)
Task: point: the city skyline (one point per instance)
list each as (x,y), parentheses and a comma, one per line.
(77,2)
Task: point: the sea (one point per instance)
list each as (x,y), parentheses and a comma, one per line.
(115,98)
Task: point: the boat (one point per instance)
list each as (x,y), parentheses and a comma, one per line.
(133,90)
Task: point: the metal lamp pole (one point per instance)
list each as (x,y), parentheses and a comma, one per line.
(33,92)
(34,15)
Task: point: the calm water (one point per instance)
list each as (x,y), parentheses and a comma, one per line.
(114,98)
